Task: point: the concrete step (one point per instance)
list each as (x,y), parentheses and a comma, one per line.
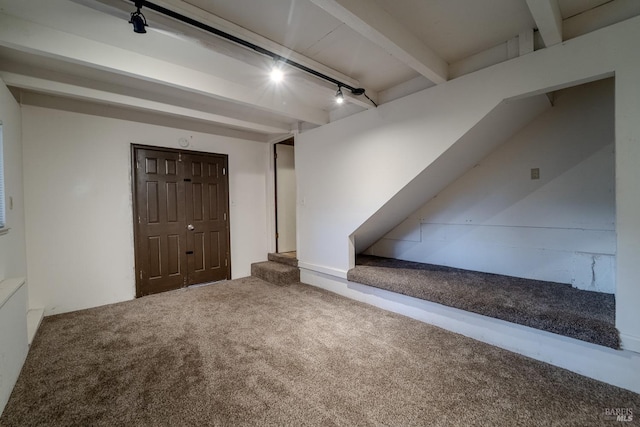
(275,272)
(287,258)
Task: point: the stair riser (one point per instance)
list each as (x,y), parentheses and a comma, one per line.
(275,277)
(293,262)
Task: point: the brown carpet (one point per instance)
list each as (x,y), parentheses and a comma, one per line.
(553,307)
(246,352)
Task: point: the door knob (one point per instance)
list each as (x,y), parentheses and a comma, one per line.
(190,227)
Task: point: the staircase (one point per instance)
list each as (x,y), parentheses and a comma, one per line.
(280,269)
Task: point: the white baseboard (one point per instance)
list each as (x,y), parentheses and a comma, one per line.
(342,274)
(617,367)
(630,342)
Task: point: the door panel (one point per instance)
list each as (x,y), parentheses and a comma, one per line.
(213,202)
(196,200)
(173,256)
(172,202)
(173,190)
(154,248)
(207,212)
(198,251)
(216,250)
(160,235)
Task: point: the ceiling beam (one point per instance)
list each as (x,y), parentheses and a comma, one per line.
(361,100)
(546,14)
(374,23)
(79,92)
(37,39)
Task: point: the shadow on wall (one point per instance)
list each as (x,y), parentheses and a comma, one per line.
(502,122)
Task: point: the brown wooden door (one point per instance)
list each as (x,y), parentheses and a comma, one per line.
(181,219)
(206,210)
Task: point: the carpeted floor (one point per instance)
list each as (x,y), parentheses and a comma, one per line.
(553,307)
(246,352)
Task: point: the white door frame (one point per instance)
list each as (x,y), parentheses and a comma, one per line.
(271,189)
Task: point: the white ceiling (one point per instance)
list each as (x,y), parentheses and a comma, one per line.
(85,49)
(570,8)
(457,29)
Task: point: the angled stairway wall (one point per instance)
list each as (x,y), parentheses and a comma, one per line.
(491,131)
(348,170)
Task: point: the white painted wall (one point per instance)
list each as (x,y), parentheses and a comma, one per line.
(628,200)
(13,308)
(349,169)
(559,228)
(79,208)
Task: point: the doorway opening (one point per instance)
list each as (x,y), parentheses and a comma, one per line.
(285,194)
(181,218)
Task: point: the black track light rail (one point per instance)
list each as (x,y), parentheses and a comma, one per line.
(177,16)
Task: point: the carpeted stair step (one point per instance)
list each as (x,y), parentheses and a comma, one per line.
(285,258)
(552,307)
(275,272)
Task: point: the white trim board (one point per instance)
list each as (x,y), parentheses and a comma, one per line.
(13,334)
(8,287)
(333,272)
(617,367)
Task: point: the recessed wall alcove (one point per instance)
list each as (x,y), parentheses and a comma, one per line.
(526,234)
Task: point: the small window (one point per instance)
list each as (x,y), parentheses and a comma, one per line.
(3,222)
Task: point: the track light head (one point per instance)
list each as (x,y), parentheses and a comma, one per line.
(138,21)
(276,71)
(339,96)
(276,74)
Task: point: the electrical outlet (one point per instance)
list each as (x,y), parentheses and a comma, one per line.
(535,173)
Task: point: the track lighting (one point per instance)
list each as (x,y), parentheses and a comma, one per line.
(139,23)
(339,96)
(138,20)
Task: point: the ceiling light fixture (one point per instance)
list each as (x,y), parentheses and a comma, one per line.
(339,96)
(138,20)
(276,73)
(141,22)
